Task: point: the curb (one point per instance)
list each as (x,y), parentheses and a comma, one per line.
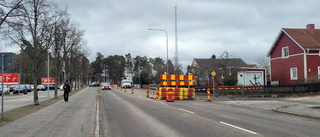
(97,128)
(276,109)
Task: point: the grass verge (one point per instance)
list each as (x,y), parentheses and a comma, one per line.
(26,110)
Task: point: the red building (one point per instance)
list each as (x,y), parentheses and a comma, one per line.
(295,56)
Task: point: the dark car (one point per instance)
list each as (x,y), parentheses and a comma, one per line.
(28,87)
(20,89)
(51,87)
(94,84)
(106,86)
(41,87)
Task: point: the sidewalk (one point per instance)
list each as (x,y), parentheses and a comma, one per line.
(75,118)
(303,106)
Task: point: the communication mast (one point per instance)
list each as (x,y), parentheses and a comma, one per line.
(176,54)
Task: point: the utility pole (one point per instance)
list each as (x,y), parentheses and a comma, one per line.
(176,54)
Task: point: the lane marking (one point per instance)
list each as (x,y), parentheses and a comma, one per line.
(186,110)
(238,128)
(163,103)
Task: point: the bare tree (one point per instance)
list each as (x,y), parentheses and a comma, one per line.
(32,31)
(7,8)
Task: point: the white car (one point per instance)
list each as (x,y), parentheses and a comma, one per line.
(5,89)
(126,83)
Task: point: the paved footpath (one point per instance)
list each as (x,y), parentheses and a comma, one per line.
(75,118)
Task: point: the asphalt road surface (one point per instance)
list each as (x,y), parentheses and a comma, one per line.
(125,114)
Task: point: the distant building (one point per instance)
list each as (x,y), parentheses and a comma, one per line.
(295,56)
(247,74)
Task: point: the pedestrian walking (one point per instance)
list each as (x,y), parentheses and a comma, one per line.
(66,88)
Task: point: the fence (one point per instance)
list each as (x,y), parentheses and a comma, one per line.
(262,91)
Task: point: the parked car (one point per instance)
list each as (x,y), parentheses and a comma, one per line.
(106,85)
(51,86)
(28,87)
(41,87)
(21,88)
(5,90)
(32,87)
(94,84)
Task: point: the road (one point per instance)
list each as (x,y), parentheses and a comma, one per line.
(125,114)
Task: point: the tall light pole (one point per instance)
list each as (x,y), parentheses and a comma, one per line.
(138,67)
(167,45)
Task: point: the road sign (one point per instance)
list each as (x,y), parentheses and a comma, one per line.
(7,60)
(213,73)
(9,78)
(50,81)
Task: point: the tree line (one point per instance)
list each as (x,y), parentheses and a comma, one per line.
(118,67)
(45,35)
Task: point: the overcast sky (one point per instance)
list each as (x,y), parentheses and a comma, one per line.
(244,28)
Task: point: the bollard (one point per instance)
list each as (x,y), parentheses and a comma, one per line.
(147,92)
(121,88)
(125,88)
(208,92)
(131,90)
(157,94)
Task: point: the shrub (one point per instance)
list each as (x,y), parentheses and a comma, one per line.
(229,81)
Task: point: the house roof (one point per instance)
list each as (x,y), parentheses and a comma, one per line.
(302,37)
(213,63)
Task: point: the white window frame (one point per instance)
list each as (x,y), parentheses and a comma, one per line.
(292,76)
(318,72)
(283,52)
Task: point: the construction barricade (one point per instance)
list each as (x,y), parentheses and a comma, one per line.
(176,91)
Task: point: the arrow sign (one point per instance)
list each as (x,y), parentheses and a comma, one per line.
(213,73)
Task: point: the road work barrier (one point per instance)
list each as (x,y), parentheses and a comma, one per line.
(170,95)
(131,90)
(177,92)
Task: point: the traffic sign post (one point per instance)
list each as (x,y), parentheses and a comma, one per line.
(213,73)
(6,63)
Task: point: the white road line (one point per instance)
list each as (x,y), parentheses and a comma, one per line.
(186,110)
(163,103)
(238,127)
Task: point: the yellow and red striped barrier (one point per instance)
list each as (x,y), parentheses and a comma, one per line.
(176,77)
(253,88)
(229,88)
(174,83)
(178,93)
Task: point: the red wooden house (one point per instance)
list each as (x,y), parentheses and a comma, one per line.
(295,56)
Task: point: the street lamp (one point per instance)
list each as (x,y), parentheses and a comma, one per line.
(167,44)
(138,67)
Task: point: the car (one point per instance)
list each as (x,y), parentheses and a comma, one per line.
(28,87)
(94,84)
(51,86)
(5,90)
(106,85)
(20,88)
(32,87)
(41,87)
(126,83)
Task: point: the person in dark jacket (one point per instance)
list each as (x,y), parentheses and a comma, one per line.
(66,88)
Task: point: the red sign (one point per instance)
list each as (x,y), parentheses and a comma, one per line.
(10,78)
(46,81)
